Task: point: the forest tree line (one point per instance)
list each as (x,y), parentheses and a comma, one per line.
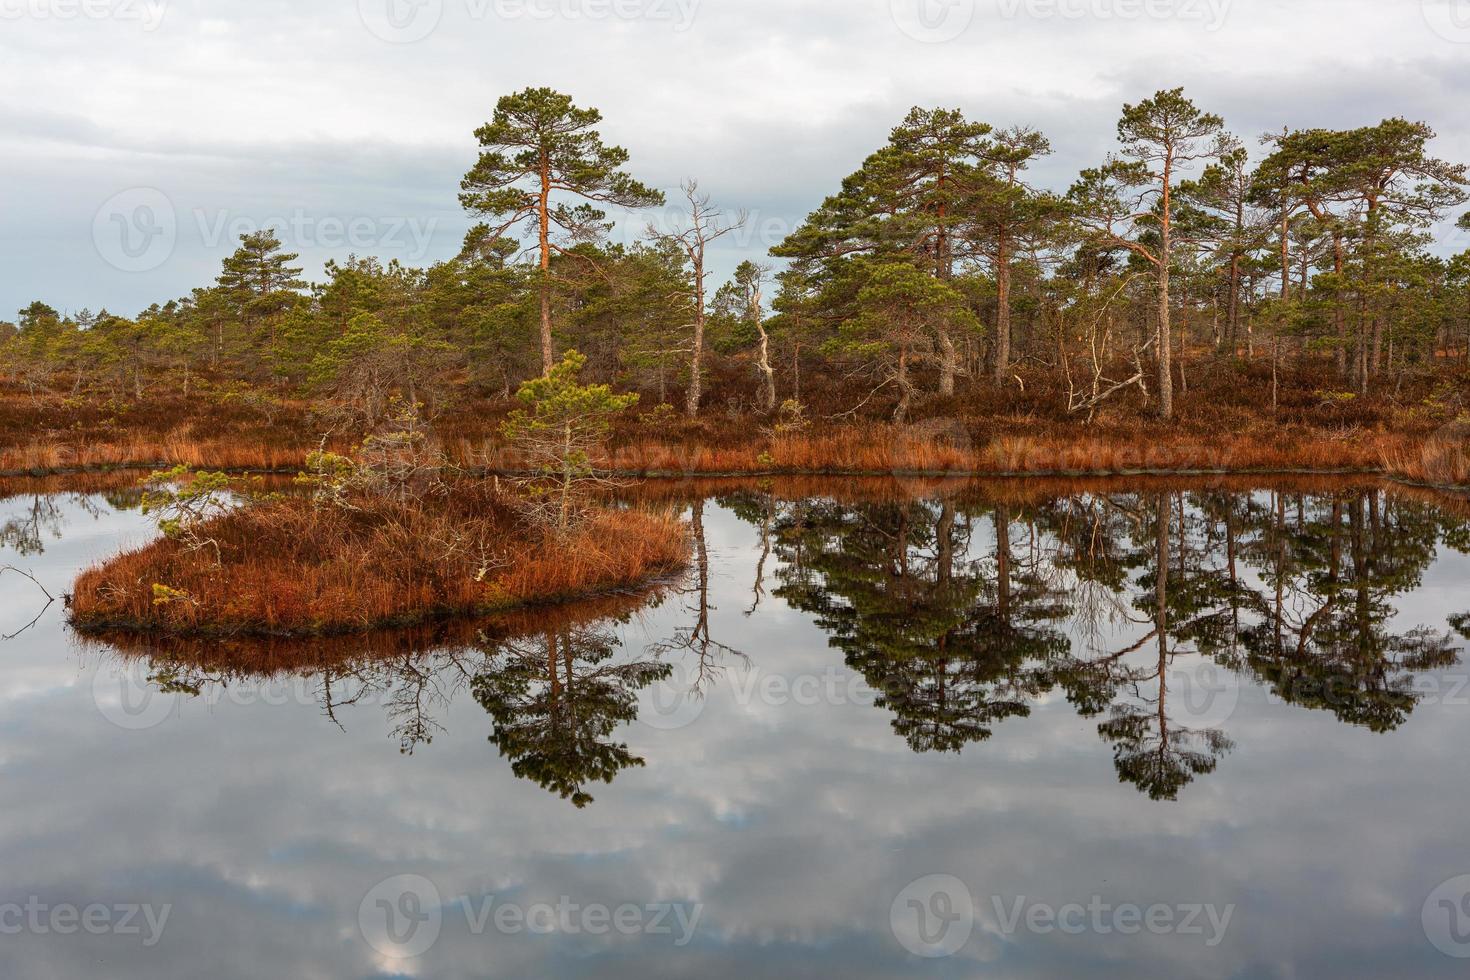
(936,269)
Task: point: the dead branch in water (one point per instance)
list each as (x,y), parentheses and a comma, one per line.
(50,599)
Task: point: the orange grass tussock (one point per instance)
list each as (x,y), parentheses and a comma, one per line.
(1442,460)
(291,567)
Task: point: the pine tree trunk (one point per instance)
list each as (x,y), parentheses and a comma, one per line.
(1337,315)
(1165,339)
(547,356)
(947,362)
(1002,311)
(905,388)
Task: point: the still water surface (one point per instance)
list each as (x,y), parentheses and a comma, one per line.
(1003,731)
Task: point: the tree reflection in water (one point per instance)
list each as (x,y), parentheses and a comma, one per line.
(956,636)
(1143,609)
(557,700)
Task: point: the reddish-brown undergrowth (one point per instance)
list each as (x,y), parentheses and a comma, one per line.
(1222,426)
(292,567)
(953,446)
(1442,460)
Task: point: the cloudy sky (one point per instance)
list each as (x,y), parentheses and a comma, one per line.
(141,136)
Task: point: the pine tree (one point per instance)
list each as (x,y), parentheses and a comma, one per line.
(539,148)
(1159,137)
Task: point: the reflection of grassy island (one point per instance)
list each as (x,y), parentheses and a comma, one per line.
(393,536)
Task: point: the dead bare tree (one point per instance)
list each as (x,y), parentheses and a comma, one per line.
(1099,338)
(706,224)
(709,652)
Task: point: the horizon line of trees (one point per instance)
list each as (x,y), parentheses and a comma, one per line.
(936,264)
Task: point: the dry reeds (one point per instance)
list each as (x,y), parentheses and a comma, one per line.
(967,448)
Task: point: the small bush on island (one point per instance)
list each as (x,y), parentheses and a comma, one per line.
(562,424)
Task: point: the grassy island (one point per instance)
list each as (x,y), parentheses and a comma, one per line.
(295,566)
